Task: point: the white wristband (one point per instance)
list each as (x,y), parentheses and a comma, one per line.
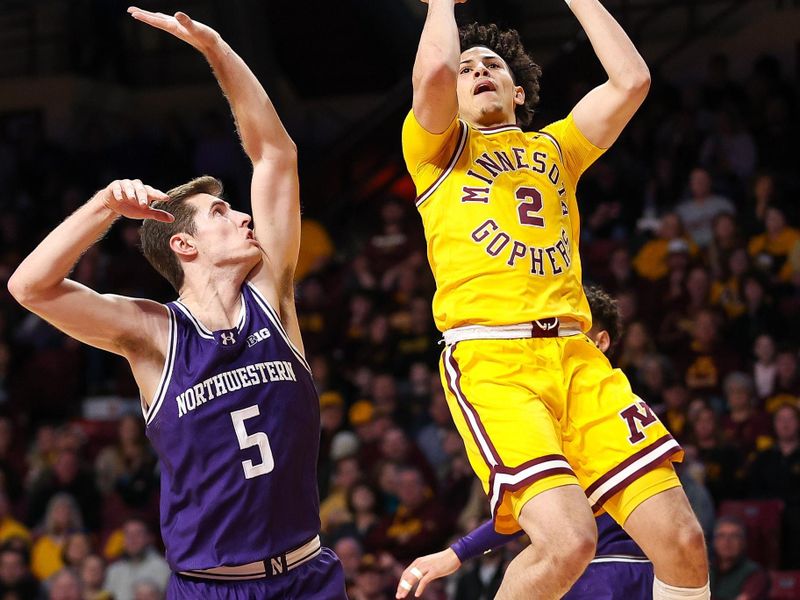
(568,2)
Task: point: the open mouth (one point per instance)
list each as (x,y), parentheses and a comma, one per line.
(483,87)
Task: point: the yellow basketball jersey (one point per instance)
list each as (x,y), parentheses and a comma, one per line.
(501,221)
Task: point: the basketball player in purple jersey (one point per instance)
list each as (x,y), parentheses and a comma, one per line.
(228,398)
(620,569)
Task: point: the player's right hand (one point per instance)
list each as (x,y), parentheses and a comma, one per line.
(426,569)
(131,198)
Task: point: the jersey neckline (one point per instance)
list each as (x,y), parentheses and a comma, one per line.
(205,331)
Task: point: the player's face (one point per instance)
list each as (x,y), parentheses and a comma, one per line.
(223,235)
(487,95)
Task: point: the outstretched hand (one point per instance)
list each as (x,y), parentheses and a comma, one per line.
(131,198)
(180,25)
(426,569)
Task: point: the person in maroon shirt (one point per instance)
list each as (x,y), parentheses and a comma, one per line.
(745,426)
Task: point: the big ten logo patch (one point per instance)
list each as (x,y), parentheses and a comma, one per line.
(637,417)
(258,336)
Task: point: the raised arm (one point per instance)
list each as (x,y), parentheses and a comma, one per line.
(114,323)
(274,188)
(436,67)
(603,113)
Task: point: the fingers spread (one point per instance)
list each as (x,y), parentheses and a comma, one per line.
(116,191)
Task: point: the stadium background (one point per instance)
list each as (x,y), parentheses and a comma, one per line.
(690,221)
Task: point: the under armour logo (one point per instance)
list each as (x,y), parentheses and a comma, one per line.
(227,338)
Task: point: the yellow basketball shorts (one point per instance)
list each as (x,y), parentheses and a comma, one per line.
(539,413)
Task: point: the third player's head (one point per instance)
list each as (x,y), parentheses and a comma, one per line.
(605,319)
(207,234)
(498,82)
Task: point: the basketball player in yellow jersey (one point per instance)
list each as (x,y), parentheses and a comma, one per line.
(546,421)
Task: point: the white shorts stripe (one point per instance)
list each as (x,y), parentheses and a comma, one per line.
(469,412)
(509,479)
(654,456)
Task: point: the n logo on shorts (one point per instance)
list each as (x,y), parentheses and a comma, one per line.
(637,417)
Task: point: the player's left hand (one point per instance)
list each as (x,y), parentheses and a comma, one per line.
(426,569)
(183,27)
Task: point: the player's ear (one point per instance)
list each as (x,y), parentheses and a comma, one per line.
(602,340)
(183,245)
(519,95)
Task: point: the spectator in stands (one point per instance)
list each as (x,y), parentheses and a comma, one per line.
(676,404)
(726,239)
(316,249)
(744,426)
(93,573)
(730,150)
(333,509)
(419,524)
(362,509)
(733,575)
(482,577)
(787,380)
(140,562)
(65,585)
(775,474)
(726,291)
(698,212)
(721,460)
(9,526)
(66,475)
(61,519)
(764,367)
(128,467)
(770,250)
(350,551)
(651,261)
(77,547)
(371,581)
(147,590)
(16,581)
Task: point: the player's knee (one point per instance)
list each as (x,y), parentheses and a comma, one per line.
(577,547)
(690,541)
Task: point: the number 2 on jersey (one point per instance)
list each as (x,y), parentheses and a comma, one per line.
(259,438)
(531,203)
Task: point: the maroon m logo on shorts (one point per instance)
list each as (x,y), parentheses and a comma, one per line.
(637,417)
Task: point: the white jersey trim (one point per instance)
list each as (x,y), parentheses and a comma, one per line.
(462,142)
(202,330)
(166,371)
(272,315)
(620,559)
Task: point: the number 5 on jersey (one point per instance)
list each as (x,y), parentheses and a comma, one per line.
(259,438)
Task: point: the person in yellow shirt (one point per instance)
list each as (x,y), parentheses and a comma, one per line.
(546,421)
(61,518)
(651,260)
(9,526)
(771,250)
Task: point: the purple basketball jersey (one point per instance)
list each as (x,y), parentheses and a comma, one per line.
(235,423)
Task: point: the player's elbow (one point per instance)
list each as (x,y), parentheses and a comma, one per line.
(20,289)
(636,83)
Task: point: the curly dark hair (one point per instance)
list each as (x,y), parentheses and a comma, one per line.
(605,312)
(508,46)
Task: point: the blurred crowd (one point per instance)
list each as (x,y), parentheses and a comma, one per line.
(690,221)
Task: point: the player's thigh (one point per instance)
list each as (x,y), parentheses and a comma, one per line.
(664,524)
(560,519)
(512,439)
(610,435)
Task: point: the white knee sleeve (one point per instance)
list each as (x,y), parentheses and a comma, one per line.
(662,591)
